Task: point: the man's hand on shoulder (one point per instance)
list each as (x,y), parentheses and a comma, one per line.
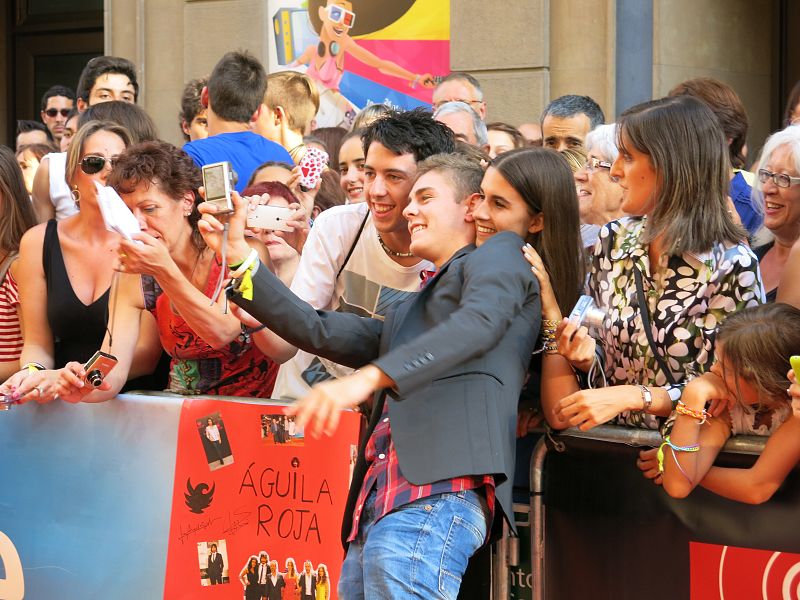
(320,408)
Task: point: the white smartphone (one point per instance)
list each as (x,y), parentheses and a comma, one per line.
(269,217)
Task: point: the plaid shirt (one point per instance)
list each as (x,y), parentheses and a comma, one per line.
(392,490)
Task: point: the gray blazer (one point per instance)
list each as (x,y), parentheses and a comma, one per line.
(458,352)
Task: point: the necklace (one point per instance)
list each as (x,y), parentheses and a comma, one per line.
(391,252)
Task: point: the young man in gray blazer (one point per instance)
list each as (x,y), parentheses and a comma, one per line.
(452,360)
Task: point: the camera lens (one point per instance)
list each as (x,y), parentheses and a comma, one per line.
(95,378)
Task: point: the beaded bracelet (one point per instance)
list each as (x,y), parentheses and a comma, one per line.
(701,415)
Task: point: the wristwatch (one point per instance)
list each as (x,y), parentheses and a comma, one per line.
(647,398)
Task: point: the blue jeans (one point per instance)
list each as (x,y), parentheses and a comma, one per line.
(420,550)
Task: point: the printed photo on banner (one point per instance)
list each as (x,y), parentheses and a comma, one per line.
(264,578)
(362,52)
(214,437)
(279,430)
(213,560)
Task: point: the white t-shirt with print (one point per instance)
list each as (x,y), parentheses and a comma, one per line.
(369,285)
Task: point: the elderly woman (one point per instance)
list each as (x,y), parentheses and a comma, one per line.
(67,268)
(663,278)
(779,185)
(211,352)
(599,194)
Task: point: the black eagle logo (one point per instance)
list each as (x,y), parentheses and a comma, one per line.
(199,498)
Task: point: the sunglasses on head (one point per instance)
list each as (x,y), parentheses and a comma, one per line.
(92,164)
(52,112)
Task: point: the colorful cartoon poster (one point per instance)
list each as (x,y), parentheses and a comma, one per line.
(257,505)
(362,52)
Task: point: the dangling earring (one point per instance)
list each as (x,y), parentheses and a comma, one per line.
(76,196)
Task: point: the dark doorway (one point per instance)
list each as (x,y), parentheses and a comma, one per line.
(50,42)
(786,57)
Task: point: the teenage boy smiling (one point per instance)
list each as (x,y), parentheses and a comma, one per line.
(436,466)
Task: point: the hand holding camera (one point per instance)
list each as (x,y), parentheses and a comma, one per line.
(75,381)
(213,223)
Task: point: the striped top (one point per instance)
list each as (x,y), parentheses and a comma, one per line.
(10,333)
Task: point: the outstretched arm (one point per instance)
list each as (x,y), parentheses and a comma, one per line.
(386,66)
(780,455)
(684,470)
(344,338)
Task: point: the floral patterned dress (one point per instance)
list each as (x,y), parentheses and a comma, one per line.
(238,369)
(688,298)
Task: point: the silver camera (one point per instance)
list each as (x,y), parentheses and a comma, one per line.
(586,313)
(219,180)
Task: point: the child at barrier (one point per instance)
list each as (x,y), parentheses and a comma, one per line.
(746,393)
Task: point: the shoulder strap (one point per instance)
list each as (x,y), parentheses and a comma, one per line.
(353,245)
(6,264)
(648,330)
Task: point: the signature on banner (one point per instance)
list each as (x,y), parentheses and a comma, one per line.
(13,586)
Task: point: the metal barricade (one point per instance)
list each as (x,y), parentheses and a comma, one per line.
(748,445)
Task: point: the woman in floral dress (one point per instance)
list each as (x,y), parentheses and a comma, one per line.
(694,267)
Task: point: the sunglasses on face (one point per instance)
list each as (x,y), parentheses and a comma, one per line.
(92,164)
(341,15)
(52,112)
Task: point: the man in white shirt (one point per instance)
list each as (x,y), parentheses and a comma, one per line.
(307,583)
(263,572)
(357,257)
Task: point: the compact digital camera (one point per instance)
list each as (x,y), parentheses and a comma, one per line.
(586,313)
(98,367)
(219,180)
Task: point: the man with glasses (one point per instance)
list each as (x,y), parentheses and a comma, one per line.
(460,87)
(56,104)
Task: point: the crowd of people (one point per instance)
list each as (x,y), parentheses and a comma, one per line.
(428,278)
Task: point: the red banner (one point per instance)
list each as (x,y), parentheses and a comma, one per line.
(248,482)
(731,573)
